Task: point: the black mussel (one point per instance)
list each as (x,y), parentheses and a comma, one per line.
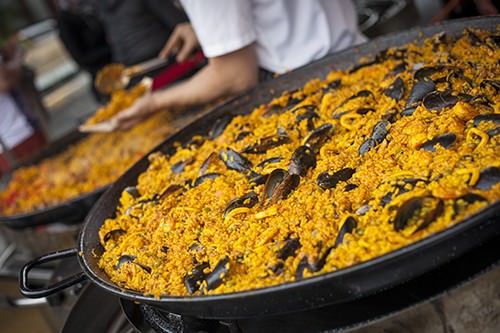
(216,276)
(278,186)
(248,200)
(494,117)
(130,259)
(495,84)
(114,235)
(468,198)
(425,73)
(366,146)
(178,167)
(445,140)
(276,109)
(438,100)
(278,268)
(158,196)
(289,249)
(301,267)
(401,187)
(332,85)
(200,180)
(399,68)
(379,131)
(493,132)
(408,111)
(419,90)
(270,160)
(206,163)
(317,138)
(396,90)
(363,111)
(241,135)
(274,179)
(132,190)
(488,178)
(195,141)
(193,281)
(303,159)
(164,249)
(481,100)
(458,74)
(257,178)
(306,107)
(219,126)
(357,67)
(309,115)
(325,180)
(350,187)
(234,160)
(391,115)
(386,199)
(348,227)
(411,212)
(359,94)
(266,143)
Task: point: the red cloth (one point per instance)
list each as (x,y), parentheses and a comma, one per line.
(24,150)
(176,71)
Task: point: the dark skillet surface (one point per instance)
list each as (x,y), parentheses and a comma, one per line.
(70,211)
(336,287)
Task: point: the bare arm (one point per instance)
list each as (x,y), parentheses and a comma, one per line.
(226,75)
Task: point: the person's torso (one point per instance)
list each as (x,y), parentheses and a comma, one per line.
(134,33)
(14,128)
(292,33)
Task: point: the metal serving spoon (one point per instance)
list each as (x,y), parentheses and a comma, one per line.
(113,77)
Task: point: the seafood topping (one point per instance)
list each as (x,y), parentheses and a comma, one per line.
(396,89)
(325,180)
(130,259)
(445,140)
(219,126)
(234,160)
(193,281)
(420,89)
(422,210)
(438,100)
(494,117)
(270,160)
(216,276)
(317,138)
(200,180)
(266,143)
(488,178)
(303,159)
(348,227)
(467,198)
(279,185)
(114,234)
(248,200)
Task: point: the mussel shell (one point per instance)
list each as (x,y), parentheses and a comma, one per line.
(411,207)
(425,73)
(350,187)
(366,146)
(270,160)
(257,178)
(347,227)
(248,200)
(289,249)
(494,117)
(399,68)
(408,111)
(326,181)
(419,90)
(216,276)
(206,163)
(178,167)
(317,138)
(241,135)
(303,159)
(438,100)
(469,198)
(219,126)
(265,144)
(445,140)
(234,160)
(200,180)
(274,179)
(130,259)
(379,131)
(132,190)
(396,90)
(488,178)
(114,234)
(193,281)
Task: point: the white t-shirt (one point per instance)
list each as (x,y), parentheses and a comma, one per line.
(288,33)
(14,128)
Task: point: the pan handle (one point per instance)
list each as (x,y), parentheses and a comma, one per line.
(56,287)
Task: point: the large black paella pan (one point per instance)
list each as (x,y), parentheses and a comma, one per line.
(336,287)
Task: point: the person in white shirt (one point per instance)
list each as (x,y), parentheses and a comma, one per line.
(239,37)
